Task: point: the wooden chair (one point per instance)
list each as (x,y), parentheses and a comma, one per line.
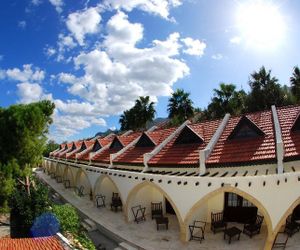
(67,183)
(100,200)
(280,240)
(156,210)
(197,230)
(217,222)
(138,213)
(52,175)
(79,191)
(116,202)
(58,179)
(253,228)
(291,227)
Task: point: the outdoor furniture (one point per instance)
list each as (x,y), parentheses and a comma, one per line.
(291,226)
(280,240)
(100,200)
(156,210)
(231,232)
(52,175)
(79,191)
(217,222)
(253,228)
(67,183)
(162,221)
(197,230)
(58,179)
(138,213)
(116,202)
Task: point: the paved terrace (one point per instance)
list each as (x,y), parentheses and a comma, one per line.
(145,235)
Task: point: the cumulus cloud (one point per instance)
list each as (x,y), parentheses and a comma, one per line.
(157,7)
(27,74)
(49,51)
(58,4)
(22,24)
(36,2)
(235,40)
(31,92)
(84,22)
(193,47)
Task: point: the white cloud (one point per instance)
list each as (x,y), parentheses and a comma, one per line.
(217,56)
(49,51)
(84,22)
(57,4)
(156,7)
(36,2)
(22,24)
(31,92)
(194,47)
(26,75)
(235,40)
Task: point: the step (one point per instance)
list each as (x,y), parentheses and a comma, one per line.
(126,246)
(87,227)
(91,224)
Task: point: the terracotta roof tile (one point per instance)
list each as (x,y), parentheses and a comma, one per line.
(42,243)
(260,148)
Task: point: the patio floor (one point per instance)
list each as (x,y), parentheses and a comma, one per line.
(145,236)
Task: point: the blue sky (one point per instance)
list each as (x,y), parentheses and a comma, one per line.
(94,58)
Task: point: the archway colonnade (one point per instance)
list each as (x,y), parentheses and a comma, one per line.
(187,201)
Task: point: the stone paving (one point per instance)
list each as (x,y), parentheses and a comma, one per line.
(145,236)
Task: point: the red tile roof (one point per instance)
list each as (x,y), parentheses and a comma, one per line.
(246,150)
(134,155)
(104,156)
(71,154)
(62,153)
(291,139)
(186,154)
(42,243)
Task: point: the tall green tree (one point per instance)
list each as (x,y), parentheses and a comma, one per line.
(137,117)
(50,146)
(265,91)
(295,83)
(180,106)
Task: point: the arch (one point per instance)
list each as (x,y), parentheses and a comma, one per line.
(108,193)
(82,179)
(239,192)
(146,183)
(52,168)
(68,173)
(59,169)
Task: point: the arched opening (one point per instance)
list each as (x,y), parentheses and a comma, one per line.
(68,176)
(82,180)
(106,186)
(52,168)
(236,199)
(145,193)
(59,170)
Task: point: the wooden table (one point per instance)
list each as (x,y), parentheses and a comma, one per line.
(162,221)
(231,232)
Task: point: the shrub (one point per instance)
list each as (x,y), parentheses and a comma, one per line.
(67,217)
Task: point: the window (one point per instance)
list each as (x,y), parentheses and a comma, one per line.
(234,200)
(145,141)
(96,146)
(187,135)
(116,144)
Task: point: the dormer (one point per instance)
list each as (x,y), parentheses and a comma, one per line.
(296,124)
(96,146)
(116,144)
(187,136)
(145,141)
(245,129)
(83,147)
(73,147)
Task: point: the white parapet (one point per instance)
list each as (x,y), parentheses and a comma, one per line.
(204,153)
(148,156)
(279,142)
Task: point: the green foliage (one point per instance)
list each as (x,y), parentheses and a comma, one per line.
(180,107)
(67,217)
(23,131)
(85,241)
(137,117)
(295,83)
(50,146)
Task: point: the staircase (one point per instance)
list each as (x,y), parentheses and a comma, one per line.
(89,225)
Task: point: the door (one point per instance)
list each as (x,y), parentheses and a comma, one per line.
(238,209)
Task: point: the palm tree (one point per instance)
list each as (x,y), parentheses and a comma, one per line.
(295,83)
(180,106)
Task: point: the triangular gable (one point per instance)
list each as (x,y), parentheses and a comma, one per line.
(96,146)
(145,141)
(116,144)
(188,135)
(245,129)
(66,147)
(73,146)
(83,147)
(296,124)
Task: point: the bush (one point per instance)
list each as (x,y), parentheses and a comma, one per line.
(67,217)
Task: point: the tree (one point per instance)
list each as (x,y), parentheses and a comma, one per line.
(226,100)
(180,107)
(50,146)
(295,83)
(265,91)
(137,117)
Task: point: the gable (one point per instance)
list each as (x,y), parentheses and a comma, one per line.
(83,147)
(245,129)
(96,146)
(116,144)
(187,135)
(73,146)
(145,141)
(296,125)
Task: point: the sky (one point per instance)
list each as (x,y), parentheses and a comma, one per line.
(94,58)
